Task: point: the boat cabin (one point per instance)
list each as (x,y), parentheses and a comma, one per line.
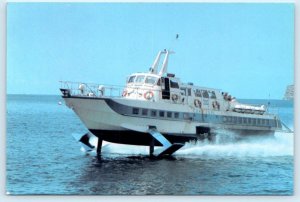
(152,87)
(161,86)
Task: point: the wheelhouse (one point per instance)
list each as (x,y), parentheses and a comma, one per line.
(143,79)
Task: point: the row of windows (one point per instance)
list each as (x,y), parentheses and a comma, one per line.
(205,94)
(186,91)
(226,119)
(142,79)
(244,120)
(154,113)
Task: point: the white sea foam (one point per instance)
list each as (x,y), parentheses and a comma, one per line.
(112,148)
(226,144)
(279,145)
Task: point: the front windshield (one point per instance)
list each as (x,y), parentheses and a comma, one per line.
(140,79)
(131,79)
(151,80)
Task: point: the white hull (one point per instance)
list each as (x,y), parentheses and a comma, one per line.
(96,114)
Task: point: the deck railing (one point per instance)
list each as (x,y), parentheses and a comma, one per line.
(100,90)
(92,89)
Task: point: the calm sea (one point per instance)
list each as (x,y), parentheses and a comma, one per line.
(44,158)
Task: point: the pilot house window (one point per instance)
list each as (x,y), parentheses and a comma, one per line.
(131,79)
(150,80)
(140,79)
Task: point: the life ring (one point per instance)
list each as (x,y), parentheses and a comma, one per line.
(124,93)
(197,103)
(175,97)
(148,95)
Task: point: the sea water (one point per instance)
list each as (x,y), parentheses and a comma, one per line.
(42,157)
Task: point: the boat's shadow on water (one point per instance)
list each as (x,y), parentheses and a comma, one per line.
(123,175)
(100,160)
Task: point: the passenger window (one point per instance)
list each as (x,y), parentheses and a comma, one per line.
(205,93)
(176,115)
(161,113)
(234,119)
(145,112)
(169,114)
(186,116)
(189,92)
(183,91)
(197,93)
(213,95)
(240,119)
(135,110)
(153,113)
(174,84)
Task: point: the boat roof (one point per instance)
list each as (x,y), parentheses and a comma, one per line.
(144,74)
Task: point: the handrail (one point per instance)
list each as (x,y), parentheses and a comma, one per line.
(93,89)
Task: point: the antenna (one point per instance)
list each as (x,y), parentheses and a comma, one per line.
(269,103)
(173,41)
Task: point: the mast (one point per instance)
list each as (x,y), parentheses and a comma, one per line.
(164,68)
(153,68)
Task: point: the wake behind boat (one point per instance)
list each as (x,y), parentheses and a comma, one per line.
(157,109)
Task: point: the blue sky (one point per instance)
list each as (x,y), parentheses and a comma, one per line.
(245,49)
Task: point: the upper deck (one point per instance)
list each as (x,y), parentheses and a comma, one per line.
(161,86)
